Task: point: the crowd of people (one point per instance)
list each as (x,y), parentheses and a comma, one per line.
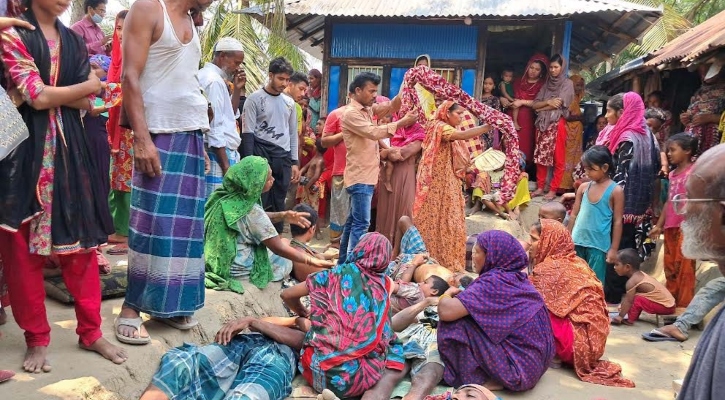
(132,145)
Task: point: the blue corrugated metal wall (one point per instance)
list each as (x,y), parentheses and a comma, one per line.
(396,79)
(404,41)
(468,81)
(333,94)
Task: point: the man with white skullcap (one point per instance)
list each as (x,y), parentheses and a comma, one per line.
(223,139)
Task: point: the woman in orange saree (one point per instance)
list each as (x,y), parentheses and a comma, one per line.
(438,210)
(574,134)
(575,300)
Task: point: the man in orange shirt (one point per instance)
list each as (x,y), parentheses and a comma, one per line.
(362,166)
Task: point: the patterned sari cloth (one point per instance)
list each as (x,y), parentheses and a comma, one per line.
(45,180)
(507,336)
(525,90)
(443,90)
(121,139)
(573,293)
(574,138)
(636,163)
(547,122)
(251,366)
(438,210)
(709,99)
(354,294)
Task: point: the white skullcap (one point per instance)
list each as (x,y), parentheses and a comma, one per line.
(228,44)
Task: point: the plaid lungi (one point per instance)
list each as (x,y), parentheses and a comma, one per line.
(251,367)
(215,176)
(166,236)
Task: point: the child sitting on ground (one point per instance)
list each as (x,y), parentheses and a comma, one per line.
(644,293)
(406,293)
(553,210)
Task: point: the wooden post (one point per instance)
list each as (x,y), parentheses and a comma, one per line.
(481,59)
(637,84)
(326,66)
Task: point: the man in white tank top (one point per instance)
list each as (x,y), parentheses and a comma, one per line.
(168,114)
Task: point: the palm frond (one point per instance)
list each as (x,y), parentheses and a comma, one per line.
(260,43)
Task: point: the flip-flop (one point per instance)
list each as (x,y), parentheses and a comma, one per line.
(656,336)
(180,326)
(6,375)
(133,323)
(117,251)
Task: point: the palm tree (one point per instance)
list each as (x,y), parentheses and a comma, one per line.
(672,24)
(260,44)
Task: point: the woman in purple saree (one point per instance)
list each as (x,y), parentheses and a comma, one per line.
(496,332)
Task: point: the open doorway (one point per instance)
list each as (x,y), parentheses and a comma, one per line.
(512,46)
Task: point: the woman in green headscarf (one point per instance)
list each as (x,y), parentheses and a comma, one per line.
(239,236)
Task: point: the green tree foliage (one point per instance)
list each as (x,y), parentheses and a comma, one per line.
(678,16)
(260,43)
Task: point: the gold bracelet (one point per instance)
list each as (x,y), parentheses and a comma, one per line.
(444,295)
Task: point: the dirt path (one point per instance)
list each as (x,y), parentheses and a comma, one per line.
(79,374)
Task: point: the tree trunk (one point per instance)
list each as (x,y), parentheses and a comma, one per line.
(77,11)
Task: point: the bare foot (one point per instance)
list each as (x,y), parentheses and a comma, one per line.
(110,352)
(476,208)
(537,193)
(550,196)
(493,386)
(3,316)
(388,186)
(673,331)
(36,360)
(514,216)
(117,239)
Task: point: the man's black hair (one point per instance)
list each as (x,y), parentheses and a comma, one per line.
(93,4)
(298,77)
(439,284)
(362,79)
(281,66)
(303,208)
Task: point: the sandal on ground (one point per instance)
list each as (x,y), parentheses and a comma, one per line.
(656,336)
(182,326)
(118,250)
(6,375)
(133,323)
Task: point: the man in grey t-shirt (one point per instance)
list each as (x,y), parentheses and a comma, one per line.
(269,130)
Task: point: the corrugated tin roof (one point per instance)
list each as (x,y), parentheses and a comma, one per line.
(703,38)
(598,87)
(602,28)
(456,8)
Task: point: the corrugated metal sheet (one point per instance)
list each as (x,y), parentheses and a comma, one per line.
(708,36)
(456,8)
(598,87)
(601,28)
(448,42)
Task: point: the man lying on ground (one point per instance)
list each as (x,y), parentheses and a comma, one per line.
(249,366)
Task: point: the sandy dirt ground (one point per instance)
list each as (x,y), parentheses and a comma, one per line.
(79,374)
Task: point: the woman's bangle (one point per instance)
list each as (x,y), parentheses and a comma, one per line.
(444,295)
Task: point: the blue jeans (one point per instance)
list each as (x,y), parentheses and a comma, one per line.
(358,218)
